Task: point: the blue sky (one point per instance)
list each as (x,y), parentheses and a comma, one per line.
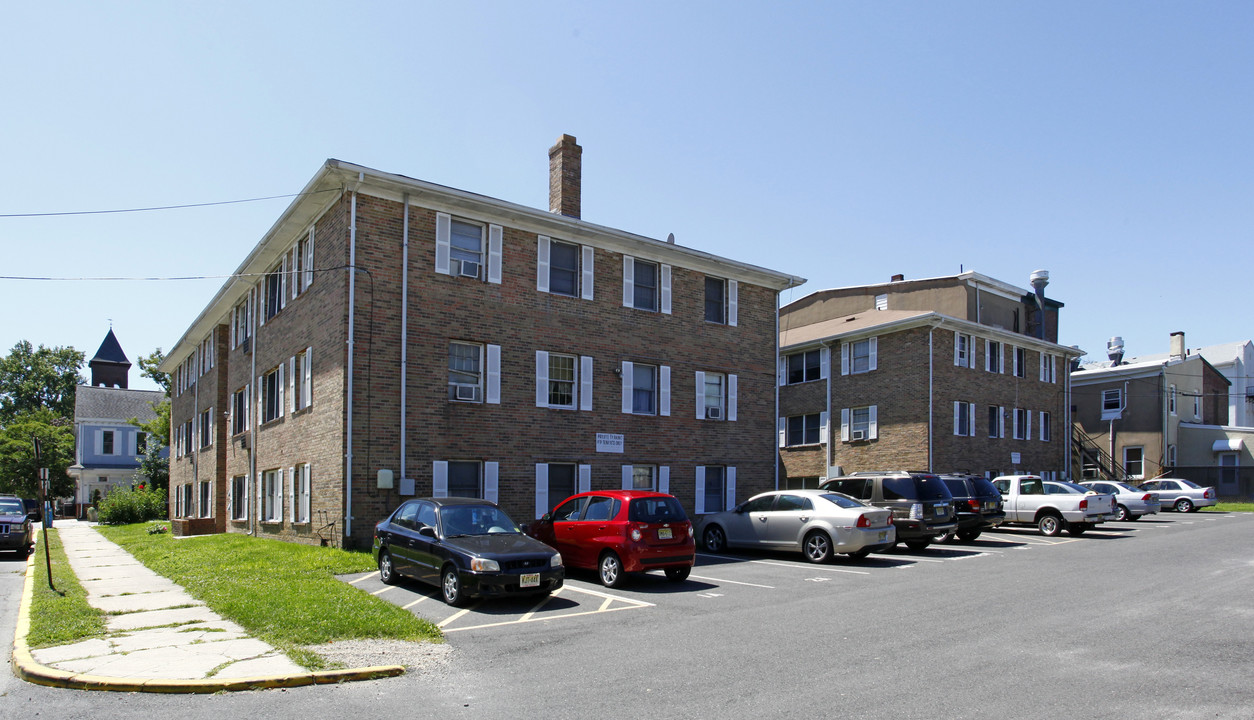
(1107,142)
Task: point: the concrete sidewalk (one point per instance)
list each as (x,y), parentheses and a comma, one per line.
(159,638)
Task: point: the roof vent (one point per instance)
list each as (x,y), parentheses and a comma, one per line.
(1114,350)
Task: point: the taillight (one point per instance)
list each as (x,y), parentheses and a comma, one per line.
(973,504)
(1210,493)
(863,521)
(636,534)
(1147,498)
(1084,504)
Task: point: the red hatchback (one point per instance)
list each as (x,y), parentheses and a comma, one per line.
(620,531)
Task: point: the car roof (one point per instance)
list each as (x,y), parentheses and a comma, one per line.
(447,501)
(620,494)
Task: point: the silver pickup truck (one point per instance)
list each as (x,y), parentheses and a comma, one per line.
(1027,502)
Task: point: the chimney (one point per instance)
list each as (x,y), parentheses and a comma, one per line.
(898,278)
(565,176)
(1114,350)
(1177,345)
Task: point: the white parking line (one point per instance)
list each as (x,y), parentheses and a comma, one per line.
(363,577)
(810,567)
(452,617)
(733,582)
(544,601)
(420,599)
(382,590)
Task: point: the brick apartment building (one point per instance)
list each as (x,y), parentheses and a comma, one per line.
(952,374)
(390,337)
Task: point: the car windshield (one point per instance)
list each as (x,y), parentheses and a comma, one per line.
(1128,488)
(655,510)
(984,486)
(842,500)
(12,507)
(930,487)
(458,520)
(1077,488)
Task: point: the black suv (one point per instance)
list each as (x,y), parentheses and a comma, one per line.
(977,503)
(921,504)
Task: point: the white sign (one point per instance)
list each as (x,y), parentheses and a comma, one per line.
(1014,458)
(609,443)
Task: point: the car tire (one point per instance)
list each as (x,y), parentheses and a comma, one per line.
(918,545)
(610,570)
(451,587)
(860,554)
(944,537)
(968,535)
(817,546)
(387,570)
(1078,529)
(678,574)
(1050,525)
(1184,505)
(1133,518)
(714,539)
(1122,514)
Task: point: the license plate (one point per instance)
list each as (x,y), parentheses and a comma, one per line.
(529,580)
(940,510)
(883,535)
(664,534)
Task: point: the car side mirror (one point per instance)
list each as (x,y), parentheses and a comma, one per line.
(739,509)
(427,530)
(546,518)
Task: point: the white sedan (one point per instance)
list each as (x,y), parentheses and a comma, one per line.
(1182,495)
(817,523)
(1133,502)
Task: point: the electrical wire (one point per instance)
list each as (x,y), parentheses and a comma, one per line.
(162,207)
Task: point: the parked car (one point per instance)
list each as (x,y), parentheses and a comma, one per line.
(817,523)
(1132,502)
(1104,501)
(1182,495)
(921,504)
(465,546)
(17,531)
(977,506)
(616,532)
(1026,502)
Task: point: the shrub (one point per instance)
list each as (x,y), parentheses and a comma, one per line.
(125,506)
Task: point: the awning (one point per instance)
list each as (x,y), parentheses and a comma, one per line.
(1229,445)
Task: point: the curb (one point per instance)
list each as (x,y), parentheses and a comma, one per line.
(25,667)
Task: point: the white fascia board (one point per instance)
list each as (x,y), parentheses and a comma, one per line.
(947,322)
(1122,372)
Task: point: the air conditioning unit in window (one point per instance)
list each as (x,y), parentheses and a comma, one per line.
(466,392)
(714,413)
(247,344)
(857,435)
(468,268)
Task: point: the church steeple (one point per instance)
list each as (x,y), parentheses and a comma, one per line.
(110,366)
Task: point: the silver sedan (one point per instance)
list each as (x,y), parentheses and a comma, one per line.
(817,523)
(1133,502)
(1181,495)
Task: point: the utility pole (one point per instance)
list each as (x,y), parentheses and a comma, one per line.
(43,494)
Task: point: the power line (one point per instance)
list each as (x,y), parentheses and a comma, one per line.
(163,207)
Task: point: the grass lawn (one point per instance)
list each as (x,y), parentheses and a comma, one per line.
(56,618)
(1231,507)
(283,593)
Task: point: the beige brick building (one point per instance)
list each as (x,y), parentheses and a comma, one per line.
(952,374)
(390,337)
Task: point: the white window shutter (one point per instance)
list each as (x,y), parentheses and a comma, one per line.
(260,399)
(283,283)
(664,479)
(873,345)
(491,475)
(783,432)
(1041,425)
(98,444)
(627,470)
(542,489)
(248,492)
(627,389)
(291,385)
(230,499)
(844,424)
(1027,432)
(589,273)
(291,494)
(232,329)
(585,478)
(700,395)
(731,398)
(823,431)
(493,394)
(733,302)
(542,378)
(844,358)
(542,264)
(664,390)
(1014,424)
(443,237)
(971,422)
(281,388)
(699,505)
(731,488)
(1001,422)
(629,288)
(873,426)
(439,478)
(1002,362)
(585,383)
(496,239)
(957,416)
(781,373)
(306,390)
(957,348)
(260,304)
(825,362)
(309,259)
(666,289)
(1014,359)
(988,356)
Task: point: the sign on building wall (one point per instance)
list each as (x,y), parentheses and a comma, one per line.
(609,443)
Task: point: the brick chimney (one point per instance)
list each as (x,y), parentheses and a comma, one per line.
(1177,345)
(565,176)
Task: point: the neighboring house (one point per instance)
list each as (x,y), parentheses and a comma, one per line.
(107,446)
(951,374)
(1164,415)
(391,338)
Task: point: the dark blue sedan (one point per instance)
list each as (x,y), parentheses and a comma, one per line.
(465,546)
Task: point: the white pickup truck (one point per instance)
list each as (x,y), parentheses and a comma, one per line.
(1026,502)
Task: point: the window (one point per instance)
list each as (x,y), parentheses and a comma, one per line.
(562,381)
(185,501)
(106,443)
(1197,407)
(240,327)
(465,377)
(564,269)
(301,264)
(715,300)
(272,395)
(560,483)
(643,477)
(557,481)
(1112,404)
(996,421)
(643,389)
(992,356)
(141,443)
(1022,426)
(1171,400)
(860,423)
(1134,462)
(206,508)
(239,497)
(239,410)
(463,480)
(466,249)
(1020,356)
(804,366)
(1228,468)
(206,428)
(862,356)
(712,486)
(273,285)
(1171,456)
(187,437)
(804,429)
(272,496)
(644,279)
(1046,430)
(963,355)
(302,375)
(715,396)
(964,419)
(301,510)
(1049,370)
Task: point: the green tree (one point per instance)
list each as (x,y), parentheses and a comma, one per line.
(148,368)
(154,465)
(42,378)
(19,473)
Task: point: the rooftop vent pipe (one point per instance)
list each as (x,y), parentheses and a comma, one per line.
(1039,280)
(1114,350)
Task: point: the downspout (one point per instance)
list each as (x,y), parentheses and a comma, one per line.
(404,323)
(930,399)
(196,415)
(352,302)
(775,382)
(829,452)
(1066,414)
(253,480)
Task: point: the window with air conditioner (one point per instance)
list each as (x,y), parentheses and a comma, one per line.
(712,391)
(466,248)
(465,372)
